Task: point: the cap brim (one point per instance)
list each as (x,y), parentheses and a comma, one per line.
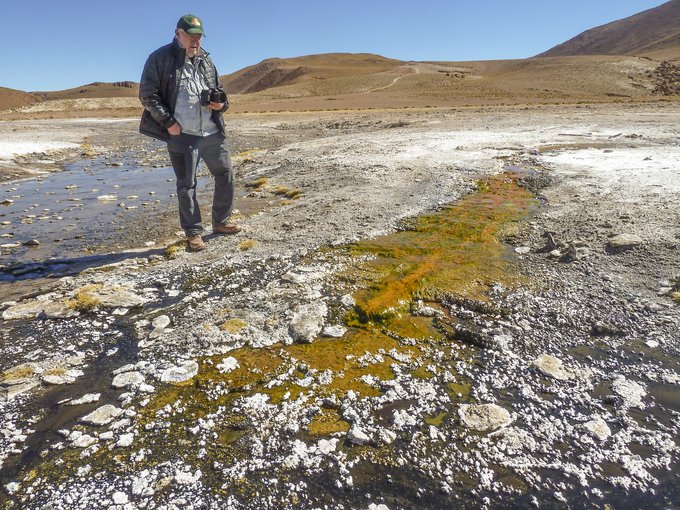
(194,31)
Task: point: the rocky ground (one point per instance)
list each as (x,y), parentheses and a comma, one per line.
(319,360)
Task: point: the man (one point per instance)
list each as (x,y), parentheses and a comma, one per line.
(183,104)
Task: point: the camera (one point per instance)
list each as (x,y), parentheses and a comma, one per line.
(212,96)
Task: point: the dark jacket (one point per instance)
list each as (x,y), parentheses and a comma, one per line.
(158,89)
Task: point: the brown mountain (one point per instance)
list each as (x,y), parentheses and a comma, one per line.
(278,72)
(94,90)
(11,98)
(655,32)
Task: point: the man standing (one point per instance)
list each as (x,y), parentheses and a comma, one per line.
(183,104)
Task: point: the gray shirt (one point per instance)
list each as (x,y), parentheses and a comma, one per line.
(194,118)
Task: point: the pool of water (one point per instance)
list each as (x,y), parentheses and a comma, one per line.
(83,210)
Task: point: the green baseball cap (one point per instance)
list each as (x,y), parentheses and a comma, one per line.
(191,24)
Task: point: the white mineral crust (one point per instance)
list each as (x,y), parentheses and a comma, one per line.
(228,365)
(102,415)
(180,373)
(484,416)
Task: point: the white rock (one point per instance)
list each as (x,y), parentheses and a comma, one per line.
(624,241)
(553,367)
(157,332)
(12,391)
(347,300)
(308,321)
(326,446)
(12,487)
(146,388)
(56,379)
(387,436)
(83,441)
(186,477)
(102,415)
(88,398)
(598,428)
(180,373)
(140,484)
(20,374)
(502,342)
(114,297)
(72,435)
(161,322)
(631,392)
(120,498)
(228,364)
(334,331)
(357,436)
(484,416)
(31,310)
(423,310)
(127,380)
(522,250)
(84,470)
(125,440)
(125,368)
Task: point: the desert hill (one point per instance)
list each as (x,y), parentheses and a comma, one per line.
(344,82)
(11,98)
(654,32)
(95,90)
(277,72)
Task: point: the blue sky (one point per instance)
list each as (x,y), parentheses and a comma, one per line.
(59,44)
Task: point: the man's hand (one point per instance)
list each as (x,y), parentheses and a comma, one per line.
(175,129)
(215,106)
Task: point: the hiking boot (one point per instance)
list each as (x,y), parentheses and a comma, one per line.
(195,243)
(227,228)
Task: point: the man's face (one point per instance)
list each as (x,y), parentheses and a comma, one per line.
(191,43)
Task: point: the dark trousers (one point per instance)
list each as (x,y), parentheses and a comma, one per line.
(185,153)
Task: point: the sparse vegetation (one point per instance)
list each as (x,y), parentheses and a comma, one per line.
(246,244)
(287,192)
(84,300)
(17,373)
(59,371)
(257,184)
(174,248)
(233,326)
(87,149)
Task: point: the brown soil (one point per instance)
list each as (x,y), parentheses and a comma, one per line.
(277,72)
(10,98)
